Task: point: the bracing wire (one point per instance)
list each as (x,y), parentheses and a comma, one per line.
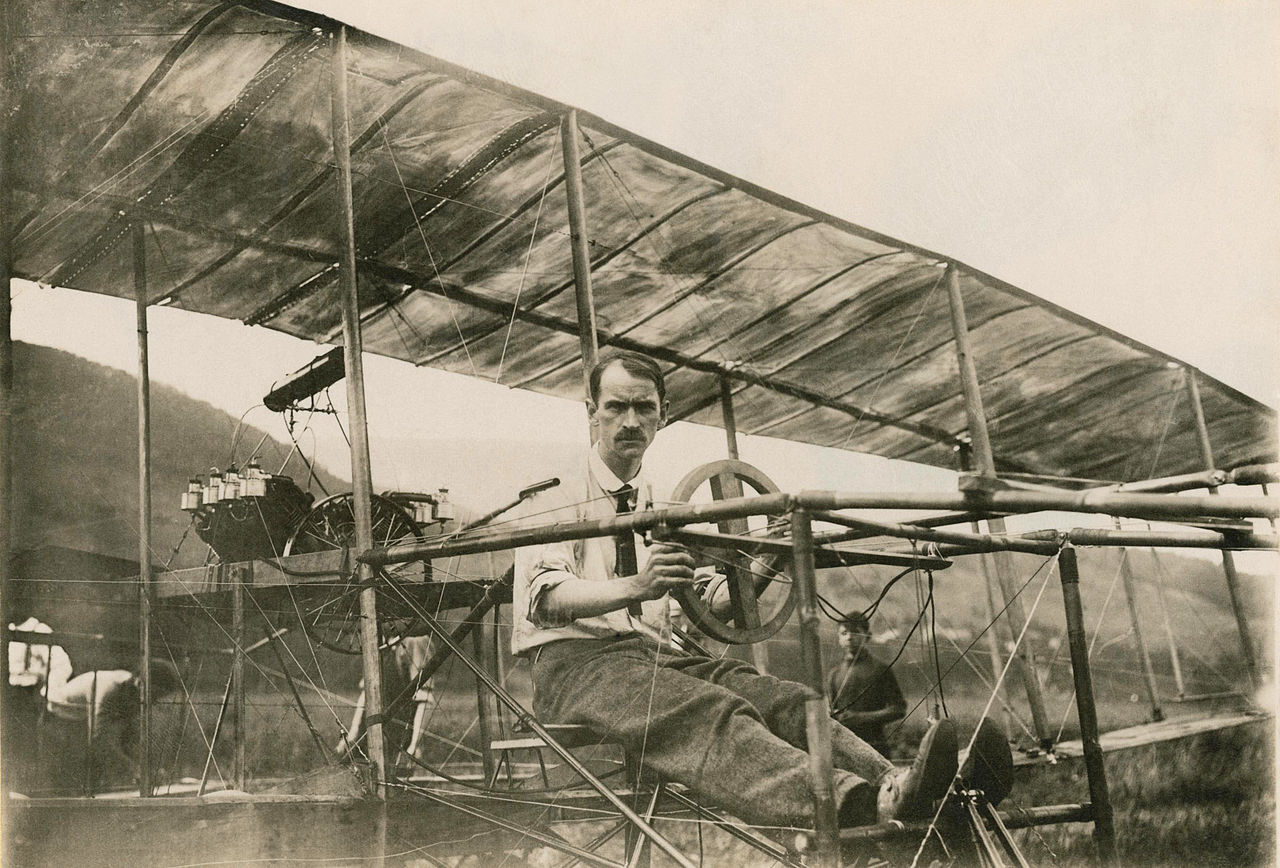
(999,681)
(528,256)
(992,623)
(426,245)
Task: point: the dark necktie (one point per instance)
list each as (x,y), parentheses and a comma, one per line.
(625,562)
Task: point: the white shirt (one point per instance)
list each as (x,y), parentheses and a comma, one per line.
(582,497)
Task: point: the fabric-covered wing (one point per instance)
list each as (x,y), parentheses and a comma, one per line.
(209,123)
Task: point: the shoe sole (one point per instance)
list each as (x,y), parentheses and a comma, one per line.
(933,770)
(989,766)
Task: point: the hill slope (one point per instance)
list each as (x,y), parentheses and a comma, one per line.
(76,457)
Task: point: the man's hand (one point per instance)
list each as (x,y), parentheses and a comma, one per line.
(670,566)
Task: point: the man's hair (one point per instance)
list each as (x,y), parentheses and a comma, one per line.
(636,364)
(856,622)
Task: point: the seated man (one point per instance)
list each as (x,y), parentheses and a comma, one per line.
(863,692)
(593,620)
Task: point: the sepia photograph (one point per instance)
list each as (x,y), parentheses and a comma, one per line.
(646,433)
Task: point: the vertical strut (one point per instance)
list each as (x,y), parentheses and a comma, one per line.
(361,481)
(239,768)
(1144,657)
(986,466)
(726,409)
(1174,659)
(817,710)
(578,243)
(1228,559)
(145,589)
(728,486)
(1103,828)
(8,92)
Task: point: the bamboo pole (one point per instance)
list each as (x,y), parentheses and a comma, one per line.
(1174,659)
(1135,622)
(817,711)
(1183,482)
(1177,539)
(726,411)
(1015,613)
(8,88)
(1137,505)
(240,766)
(484,713)
(361,477)
(993,635)
(1228,560)
(1099,795)
(729,486)
(146,586)
(1019,818)
(578,244)
(978,541)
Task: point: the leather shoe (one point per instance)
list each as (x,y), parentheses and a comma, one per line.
(910,793)
(989,765)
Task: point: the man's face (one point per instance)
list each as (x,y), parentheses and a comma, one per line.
(625,417)
(853,639)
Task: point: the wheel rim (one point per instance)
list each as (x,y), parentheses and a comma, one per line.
(330,614)
(748,578)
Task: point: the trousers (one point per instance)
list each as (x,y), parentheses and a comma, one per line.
(731,735)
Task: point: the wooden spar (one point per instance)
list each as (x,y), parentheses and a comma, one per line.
(361,476)
(239,767)
(983,542)
(8,89)
(726,409)
(1183,482)
(1228,560)
(984,456)
(578,243)
(1173,539)
(817,711)
(1136,505)
(1175,660)
(728,486)
(1144,657)
(483,710)
(1103,829)
(146,589)
(993,635)
(1255,474)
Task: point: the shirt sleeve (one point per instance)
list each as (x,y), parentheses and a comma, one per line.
(546,566)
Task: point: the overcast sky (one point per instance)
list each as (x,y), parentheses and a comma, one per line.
(1119,159)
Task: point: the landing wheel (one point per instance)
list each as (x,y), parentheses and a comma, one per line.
(760,596)
(330,614)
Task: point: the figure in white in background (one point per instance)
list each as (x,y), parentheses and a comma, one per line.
(109,701)
(43,673)
(34,665)
(412,654)
(401,668)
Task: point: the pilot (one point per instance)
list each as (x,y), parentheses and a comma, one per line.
(593,617)
(863,692)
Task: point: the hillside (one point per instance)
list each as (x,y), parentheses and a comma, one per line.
(76,457)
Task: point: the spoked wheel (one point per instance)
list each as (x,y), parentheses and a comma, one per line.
(330,614)
(759,594)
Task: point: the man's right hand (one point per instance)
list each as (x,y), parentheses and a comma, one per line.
(670,566)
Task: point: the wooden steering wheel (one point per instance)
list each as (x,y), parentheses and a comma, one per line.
(761,598)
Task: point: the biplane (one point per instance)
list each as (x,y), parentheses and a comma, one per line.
(266,164)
